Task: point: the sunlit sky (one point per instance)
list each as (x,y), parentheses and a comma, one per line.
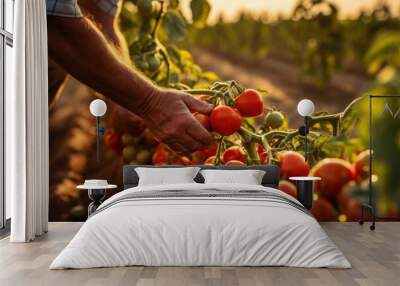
(230,7)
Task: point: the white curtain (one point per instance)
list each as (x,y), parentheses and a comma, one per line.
(27,124)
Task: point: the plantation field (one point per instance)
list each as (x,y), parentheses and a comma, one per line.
(254,70)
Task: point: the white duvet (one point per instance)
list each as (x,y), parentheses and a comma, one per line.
(200,231)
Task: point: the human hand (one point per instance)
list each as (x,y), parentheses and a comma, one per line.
(124,121)
(168,116)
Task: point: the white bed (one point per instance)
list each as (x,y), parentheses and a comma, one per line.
(185,230)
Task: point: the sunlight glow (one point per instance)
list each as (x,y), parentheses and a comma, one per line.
(342,218)
(283,7)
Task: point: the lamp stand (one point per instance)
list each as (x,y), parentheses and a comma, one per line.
(99,132)
(303,131)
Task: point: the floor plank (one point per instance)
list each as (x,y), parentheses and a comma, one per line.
(375,257)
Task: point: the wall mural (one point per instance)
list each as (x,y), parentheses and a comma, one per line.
(385,139)
(254,68)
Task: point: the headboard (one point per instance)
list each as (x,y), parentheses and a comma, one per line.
(271,177)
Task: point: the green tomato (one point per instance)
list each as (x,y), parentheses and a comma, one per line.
(129,153)
(142,64)
(154,63)
(145,7)
(135,48)
(274,120)
(128,139)
(143,156)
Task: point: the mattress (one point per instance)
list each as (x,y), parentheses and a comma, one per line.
(201,225)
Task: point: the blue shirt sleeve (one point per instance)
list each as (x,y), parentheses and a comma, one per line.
(63,8)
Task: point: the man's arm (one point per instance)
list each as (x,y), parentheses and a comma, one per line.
(78,46)
(106,19)
(107,22)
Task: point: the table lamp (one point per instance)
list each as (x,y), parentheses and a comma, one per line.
(98,108)
(305,108)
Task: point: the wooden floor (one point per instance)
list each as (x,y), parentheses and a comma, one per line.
(375,257)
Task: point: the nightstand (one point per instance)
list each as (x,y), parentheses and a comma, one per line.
(305,189)
(96,192)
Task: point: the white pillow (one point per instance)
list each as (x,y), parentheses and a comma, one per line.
(248,177)
(165,176)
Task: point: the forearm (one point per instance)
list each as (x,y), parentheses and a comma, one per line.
(108,24)
(77,45)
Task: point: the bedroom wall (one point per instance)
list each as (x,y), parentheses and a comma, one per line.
(329,52)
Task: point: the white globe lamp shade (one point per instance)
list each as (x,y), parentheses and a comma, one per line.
(98,107)
(305,107)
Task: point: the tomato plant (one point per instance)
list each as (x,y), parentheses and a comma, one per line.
(154,30)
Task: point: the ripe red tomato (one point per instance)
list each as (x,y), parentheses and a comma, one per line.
(323,210)
(288,188)
(250,103)
(210,160)
(234,153)
(203,119)
(334,173)
(225,120)
(210,150)
(162,146)
(113,140)
(160,157)
(348,205)
(262,154)
(361,164)
(293,164)
(353,210)
(235,163)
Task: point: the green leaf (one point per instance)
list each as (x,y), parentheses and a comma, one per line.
(350,115)
(200,11)
(175,25)
(174,55)
(334,147)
